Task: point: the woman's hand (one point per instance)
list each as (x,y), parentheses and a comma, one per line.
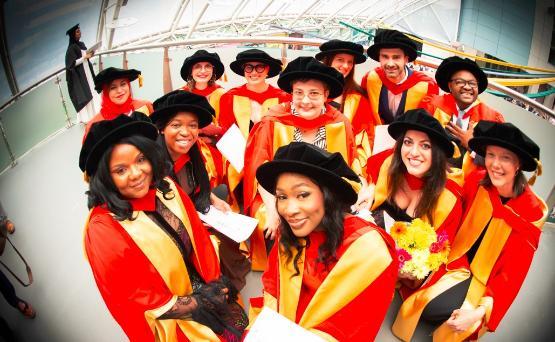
(219,204)
(462,319)
(365,198)
(272,224)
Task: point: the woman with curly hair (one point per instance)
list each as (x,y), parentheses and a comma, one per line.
(149,253)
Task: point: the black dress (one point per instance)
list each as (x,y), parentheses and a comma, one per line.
(77,84)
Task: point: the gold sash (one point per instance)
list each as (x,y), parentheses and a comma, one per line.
(352,274)
(242,111)
(166,257)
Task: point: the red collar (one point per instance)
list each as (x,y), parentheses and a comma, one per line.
(180,162)
(203,92)
(146,203)
(302,123)
(271,92)
(396,89)
(414,182)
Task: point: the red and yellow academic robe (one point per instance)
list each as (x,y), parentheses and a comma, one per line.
(142,106)
(446,218)
(235,108)
(140,271)
(444,107)
(212,161)
(348,300)
(274,131)
(212,94)
(448,212)
(357,109)
(503,257)
(416,86)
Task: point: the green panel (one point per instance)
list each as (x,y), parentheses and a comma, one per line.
(33,118)
(4,155)
(70,109)
(150,65)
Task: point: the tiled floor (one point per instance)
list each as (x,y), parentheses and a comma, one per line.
(44,195)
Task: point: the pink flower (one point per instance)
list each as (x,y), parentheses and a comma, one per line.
(403,256)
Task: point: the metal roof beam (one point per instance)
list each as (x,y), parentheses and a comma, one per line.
(178,15)
(197,20)
(331,16)
(316,2)
(119,3)
(246,30)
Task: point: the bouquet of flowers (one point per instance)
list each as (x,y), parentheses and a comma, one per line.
(419,249)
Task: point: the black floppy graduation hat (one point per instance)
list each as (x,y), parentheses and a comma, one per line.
(255,55)
(421,120)
(387,39)
(109,74)
(311,161)
(451,65)
(508,136)
(310,68)
(202,56)
(336,46)
(180,100)
(104,134)
(72,30)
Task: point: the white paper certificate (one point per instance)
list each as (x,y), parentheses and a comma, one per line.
(232,145)
(235,226)
(270,326)
(382,140)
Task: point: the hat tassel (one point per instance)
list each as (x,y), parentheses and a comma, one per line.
(537,173)
(140,81)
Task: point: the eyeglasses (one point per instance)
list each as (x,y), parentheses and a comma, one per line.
(251,67)
(459,82)
(313,95)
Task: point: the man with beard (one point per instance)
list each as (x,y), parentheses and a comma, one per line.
(460,109)
(393,88)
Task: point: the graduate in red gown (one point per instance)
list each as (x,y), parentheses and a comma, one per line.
(114,85)
(150,255)
(245,105)
(353,102)
(309,118)
(393,88)
(459,110)
(201,70)
(493,249)
(413,180)
(320,274)
(180,116)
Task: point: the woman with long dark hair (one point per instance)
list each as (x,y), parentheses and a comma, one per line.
(494,247)
(413,180)
(150,255)
(353,102)
(179,116)
(114,85)
(320,274)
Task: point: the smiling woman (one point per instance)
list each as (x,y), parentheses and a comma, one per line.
(117,98)
(138,217)
(320,274)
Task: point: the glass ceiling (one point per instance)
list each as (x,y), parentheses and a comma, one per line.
(36,40)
